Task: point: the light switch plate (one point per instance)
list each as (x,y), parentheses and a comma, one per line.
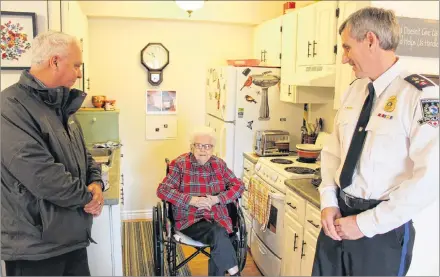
(160,127)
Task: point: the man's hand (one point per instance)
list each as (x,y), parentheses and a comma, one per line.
(94,207)
(328,217)
(347,228)
(200,202)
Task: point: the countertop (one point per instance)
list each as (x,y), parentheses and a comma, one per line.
(305,189)
(111,196)
(251,157)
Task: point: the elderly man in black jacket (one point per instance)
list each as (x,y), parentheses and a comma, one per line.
(51,186)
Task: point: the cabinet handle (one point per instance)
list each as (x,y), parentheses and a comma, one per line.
(290,204)
(314,43)
(302,250)
(294,243)
(264,55)
(314,225)
(289,91)
(308,48)
(261,57)
(88,83)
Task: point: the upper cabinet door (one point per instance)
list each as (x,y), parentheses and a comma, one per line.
(267,42)
(259,41)
(306,35)
(325,33)
(288,46)
(344,72)
(273,42)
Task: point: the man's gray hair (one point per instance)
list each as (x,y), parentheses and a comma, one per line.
(203,131)
(381,22)
(51,43)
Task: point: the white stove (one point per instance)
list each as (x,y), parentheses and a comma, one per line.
(275,170)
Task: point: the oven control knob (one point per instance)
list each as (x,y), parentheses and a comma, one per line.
(274,177)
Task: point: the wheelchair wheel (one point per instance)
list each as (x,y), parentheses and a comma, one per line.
(158,241)
(242,242)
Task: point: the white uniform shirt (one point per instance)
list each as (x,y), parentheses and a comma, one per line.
(400,158)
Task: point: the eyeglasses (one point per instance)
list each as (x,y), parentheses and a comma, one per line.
(203,146)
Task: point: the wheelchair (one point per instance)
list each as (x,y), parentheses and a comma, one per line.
(166,237)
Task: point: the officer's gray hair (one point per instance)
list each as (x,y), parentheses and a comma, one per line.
(51,43)
(203,131)
(381,22)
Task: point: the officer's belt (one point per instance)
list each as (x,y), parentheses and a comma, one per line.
(358,203)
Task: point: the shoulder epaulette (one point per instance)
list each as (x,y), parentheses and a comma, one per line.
(354,81)
(418,81)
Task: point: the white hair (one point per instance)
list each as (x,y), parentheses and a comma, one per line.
(203,131)
(51,43)
(383,23)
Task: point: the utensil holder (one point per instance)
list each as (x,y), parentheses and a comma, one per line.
(308,139)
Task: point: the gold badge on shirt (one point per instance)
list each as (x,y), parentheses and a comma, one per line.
(391,104)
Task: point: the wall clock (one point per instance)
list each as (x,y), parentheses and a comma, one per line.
(155,57)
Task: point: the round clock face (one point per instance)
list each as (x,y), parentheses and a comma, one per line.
(155,56)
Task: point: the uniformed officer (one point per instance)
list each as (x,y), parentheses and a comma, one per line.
(380,165)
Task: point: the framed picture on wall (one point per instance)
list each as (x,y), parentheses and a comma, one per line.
(18,30)
(161,102)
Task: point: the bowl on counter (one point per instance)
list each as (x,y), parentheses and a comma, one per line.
(308,152)
(98,101)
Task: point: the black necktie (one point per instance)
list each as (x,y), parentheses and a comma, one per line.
(357,142)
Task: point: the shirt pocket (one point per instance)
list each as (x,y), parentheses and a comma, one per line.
(346,123)
(386,142)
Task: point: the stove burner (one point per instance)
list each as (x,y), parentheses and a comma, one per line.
(281,161)
(299,170)
(305,160)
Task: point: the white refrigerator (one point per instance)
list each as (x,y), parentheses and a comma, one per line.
(242,100)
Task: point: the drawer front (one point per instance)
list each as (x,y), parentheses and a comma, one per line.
(295,206)
(267,262)
(246,183)
(99,126)
(248,168)
(313,220)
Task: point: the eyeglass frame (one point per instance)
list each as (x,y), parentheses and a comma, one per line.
(201,146)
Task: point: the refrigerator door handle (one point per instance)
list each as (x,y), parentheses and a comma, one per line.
(222,132)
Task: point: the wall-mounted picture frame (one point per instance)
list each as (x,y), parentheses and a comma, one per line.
(18,30)
(161,102)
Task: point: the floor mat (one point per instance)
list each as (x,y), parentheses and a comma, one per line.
(138,250)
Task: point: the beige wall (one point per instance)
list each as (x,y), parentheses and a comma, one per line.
(116,71)
(9,77)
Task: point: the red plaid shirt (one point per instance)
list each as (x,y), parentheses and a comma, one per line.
(187,178)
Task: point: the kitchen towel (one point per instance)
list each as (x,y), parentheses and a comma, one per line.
(259,202)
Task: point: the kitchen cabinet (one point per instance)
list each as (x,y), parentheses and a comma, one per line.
(293,232)
(317,34)
(75,23)
(308,254)
(301,230)
(105,257)
(303,94)
(267,42)
(344,72)
(288,46)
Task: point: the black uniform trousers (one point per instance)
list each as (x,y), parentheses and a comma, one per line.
(223,256)
(386,254)
(74,263)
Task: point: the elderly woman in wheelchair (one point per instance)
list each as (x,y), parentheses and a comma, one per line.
(201,190)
